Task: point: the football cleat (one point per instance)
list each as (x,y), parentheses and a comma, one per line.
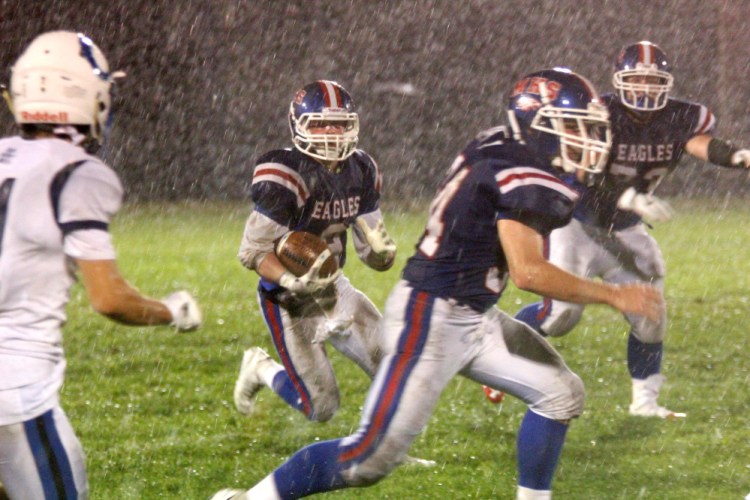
(493,395)
(249,381)
(228,494)
(645,394)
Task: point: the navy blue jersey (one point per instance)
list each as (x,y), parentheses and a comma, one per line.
(459,255)
(645,147)
(298,192)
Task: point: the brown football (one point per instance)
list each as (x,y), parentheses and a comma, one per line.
(297,250)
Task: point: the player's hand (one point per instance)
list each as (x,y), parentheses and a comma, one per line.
(186,315)
(741,158)
(641,299)
(649,207)
(311,281)
(378,238)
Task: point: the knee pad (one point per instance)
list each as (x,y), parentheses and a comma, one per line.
(647,331)
(566,401)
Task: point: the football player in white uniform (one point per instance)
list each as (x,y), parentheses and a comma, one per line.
(323,185)
(441,319)
(56,201)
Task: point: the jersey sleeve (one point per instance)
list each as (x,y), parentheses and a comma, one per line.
(534,197)
(704,121)
(278,192)
(88,200)
(373,181)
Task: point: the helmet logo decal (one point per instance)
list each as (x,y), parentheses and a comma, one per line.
(299,96)
(87,52)
(533,86)
(44,117)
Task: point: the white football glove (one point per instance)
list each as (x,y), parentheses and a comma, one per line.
(741,158)
(309,282)
(186,315)
(649,207)
(379,239)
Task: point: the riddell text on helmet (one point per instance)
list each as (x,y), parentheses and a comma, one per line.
(44,117)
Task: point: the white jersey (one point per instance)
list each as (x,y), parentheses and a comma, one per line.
(56,202)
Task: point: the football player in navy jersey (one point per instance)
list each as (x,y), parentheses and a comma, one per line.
(56,202)
(607,238)
(323,185)
(500,197)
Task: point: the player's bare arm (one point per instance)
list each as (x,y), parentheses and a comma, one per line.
(530,271)
(112,296)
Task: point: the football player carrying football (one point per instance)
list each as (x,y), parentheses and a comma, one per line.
(441,319)
(323,185)
(607,238)
(56,201)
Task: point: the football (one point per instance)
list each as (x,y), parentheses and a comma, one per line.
(297,251)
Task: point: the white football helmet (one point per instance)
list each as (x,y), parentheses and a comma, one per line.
(63,78)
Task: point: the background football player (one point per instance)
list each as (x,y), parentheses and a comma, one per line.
(441,319)
(323,185)
(607,237)
(56,201)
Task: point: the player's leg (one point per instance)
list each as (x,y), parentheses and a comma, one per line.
(516,359)
(359,341)
(425,348)
(42,458)
(643,262)
(305,379)
(573,249)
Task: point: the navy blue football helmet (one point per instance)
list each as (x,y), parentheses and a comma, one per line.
(643,76)
(559,115)
(324,105)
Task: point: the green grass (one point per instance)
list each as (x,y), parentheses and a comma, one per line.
(153,408)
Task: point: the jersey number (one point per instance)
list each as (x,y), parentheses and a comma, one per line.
(5,189)
(435,226)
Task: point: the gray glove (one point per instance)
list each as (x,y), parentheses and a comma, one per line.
(649,207)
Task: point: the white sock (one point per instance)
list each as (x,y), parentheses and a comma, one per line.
(266,489)
(529,494)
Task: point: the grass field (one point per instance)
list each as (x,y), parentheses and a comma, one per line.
(154,409)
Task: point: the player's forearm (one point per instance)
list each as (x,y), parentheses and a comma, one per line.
(552,282)
(269,268)
(113,297)
(126,305)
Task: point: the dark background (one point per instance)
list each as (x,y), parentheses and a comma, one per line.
(209,81)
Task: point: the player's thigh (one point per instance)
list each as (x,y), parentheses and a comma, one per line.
(427,353)
(516,359)
(571,248)
(292,336)
(360,342)
(640,259)
(42,458)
